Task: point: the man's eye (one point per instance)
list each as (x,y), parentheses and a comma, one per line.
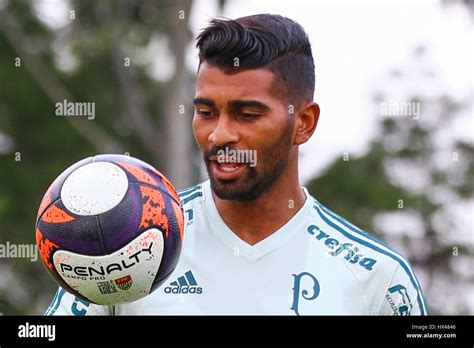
(205,113)
(249,115)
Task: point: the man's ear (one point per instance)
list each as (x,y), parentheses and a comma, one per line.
(306,122)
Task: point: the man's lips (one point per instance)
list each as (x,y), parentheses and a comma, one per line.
(227,171)
(227,162)
(219,159)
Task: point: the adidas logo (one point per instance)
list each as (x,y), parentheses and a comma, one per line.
(184,285)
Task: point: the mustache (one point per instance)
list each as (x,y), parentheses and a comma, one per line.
(214,151)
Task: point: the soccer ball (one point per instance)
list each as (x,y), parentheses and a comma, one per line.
(109,229)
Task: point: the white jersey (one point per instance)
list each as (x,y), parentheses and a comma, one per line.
(317,263)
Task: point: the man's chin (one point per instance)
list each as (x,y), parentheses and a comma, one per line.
(233,190)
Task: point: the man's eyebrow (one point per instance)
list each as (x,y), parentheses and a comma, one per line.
(240,104)
(204,101)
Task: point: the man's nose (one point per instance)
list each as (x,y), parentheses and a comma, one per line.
(224,132)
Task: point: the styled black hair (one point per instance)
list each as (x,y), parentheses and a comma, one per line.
(267,41)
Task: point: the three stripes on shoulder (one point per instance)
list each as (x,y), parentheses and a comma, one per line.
(191,193)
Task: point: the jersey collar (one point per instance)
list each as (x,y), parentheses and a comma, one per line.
(240,247)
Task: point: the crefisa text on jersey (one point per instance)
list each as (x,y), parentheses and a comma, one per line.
(37,331)
(352,252)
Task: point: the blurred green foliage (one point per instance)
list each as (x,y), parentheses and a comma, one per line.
(37,145)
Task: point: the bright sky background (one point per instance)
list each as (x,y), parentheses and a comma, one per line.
(354,43)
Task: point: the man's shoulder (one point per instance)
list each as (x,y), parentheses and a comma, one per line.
(192,194)
(375,264)
(345,239)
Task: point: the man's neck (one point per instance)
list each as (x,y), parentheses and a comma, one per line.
(255,220)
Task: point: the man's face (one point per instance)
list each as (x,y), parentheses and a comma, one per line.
(238,112)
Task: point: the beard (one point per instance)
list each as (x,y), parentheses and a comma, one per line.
(272,161)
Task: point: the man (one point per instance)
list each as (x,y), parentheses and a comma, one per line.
(256,242)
